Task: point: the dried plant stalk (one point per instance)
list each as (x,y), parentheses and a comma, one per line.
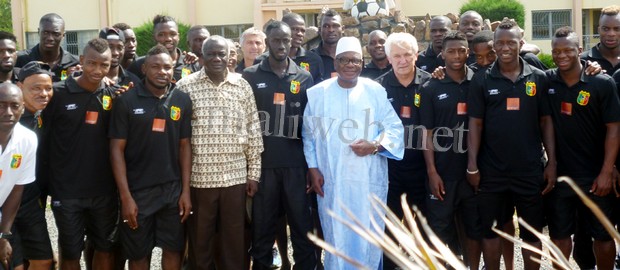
(408,249)
(595,209)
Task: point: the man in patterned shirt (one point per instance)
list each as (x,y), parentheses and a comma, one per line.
(226,162)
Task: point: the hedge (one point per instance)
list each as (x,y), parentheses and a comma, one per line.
(144,36)
(496,10)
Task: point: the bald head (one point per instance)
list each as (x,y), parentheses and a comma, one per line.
(440,25)
(470,23)
(375,47)
(377,33)
(51,18)
(292,17)
(11,107)
(215,40)
(442,19)
(472,13)
(8,89)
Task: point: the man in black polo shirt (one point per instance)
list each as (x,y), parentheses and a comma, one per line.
(166,33)
(308,60)
(280,90)
(428,60)
(607,54)
(586,114)
(51,33)
(30,227)
(311,62)
(470,23)
(8,56)
(131,44)
(75,125)
(443,112)
(151,159)
(402,85)
(379,63)
(331,31)
(508,123)
(116,41)
(122,81)
(607,51)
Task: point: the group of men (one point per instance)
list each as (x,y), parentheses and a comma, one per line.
(168,148)
(514,111)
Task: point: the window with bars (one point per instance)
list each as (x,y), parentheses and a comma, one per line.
(229,31)
(71,39)
(545,22)
(73,42)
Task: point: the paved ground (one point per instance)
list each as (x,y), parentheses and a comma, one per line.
(155,262)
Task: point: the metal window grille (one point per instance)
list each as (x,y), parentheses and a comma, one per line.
(545,22)
(72,41)
(229,31)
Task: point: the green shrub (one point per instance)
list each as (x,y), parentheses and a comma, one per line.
(6,21)
(144,35)
(547,60)
(496,10)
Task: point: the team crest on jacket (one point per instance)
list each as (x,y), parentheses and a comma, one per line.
(63,75)
(106,102)
(530,89)
(295,87)
(16,161)
(305,66)
(185,72)
(175,113)
(583,98)
(416,100)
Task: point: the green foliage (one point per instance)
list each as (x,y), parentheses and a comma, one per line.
(144,36)
(547,60)
(6,22)
(496,10)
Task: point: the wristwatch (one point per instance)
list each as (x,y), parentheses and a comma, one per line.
(376,145)
(6,235)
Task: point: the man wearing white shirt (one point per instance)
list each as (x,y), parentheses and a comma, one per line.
(17,161)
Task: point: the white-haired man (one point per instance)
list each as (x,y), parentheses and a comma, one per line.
(252,45)
(402,87)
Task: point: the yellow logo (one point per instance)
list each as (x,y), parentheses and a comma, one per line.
(416,100)
(295,87)
(305,66)
(175,113)
(63,75)
(107,102)
(583,98)
(530,89)
(185,72)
